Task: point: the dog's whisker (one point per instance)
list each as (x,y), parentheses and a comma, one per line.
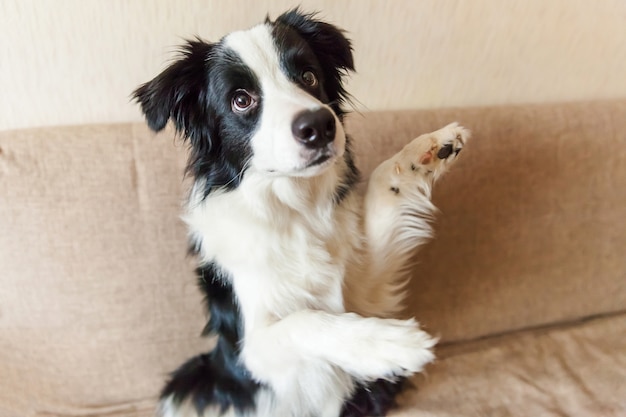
(239,175)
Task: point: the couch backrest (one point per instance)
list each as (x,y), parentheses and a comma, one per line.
(532,229)
(98,301)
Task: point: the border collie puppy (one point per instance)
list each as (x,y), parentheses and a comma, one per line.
(301,274)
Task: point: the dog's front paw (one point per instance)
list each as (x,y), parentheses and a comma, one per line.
(405,347)
(392,348)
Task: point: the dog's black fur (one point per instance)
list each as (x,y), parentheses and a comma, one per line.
(216,377)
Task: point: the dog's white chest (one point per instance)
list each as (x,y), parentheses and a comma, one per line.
(278,267)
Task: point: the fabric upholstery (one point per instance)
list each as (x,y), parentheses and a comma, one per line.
(577,370)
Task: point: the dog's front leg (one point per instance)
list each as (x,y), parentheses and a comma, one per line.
(398,210)
(365,348)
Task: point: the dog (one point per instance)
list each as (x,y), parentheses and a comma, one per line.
(302,274)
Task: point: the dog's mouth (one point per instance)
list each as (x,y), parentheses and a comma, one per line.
(316,163)
(313,166)
(319,160)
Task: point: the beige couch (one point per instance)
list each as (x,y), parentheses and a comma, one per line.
(525,282)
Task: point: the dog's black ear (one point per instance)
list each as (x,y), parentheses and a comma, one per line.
(332,48)
(177,92)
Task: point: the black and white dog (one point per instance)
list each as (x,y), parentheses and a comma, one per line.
(301,274)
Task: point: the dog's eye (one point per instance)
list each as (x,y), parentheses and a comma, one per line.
(309,78)
(242,101)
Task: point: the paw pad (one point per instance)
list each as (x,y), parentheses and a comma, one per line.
(445,151)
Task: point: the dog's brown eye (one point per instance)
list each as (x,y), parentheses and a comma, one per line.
(309,78)
(242,101)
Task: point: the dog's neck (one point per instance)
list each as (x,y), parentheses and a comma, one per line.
(283,205)
(272,198)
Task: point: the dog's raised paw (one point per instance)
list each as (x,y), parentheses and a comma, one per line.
(433,151)
(422,161)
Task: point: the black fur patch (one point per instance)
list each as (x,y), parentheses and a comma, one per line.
(196,93)
(351,176)
(373,399)
(216,378)
(331,48)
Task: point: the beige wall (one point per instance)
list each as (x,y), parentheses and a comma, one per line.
(76,61)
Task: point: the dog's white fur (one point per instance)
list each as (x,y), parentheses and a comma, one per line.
(319,280)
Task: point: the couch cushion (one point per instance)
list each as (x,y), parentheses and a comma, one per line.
(97,302)
(575,370)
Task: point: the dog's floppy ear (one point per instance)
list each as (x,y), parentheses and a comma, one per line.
(332,48)
(177,92)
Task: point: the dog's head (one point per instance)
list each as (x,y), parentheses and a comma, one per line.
(266,99)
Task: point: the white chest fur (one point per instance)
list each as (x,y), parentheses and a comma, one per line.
(284,252)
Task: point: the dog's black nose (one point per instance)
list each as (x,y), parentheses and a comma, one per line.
(314,128)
